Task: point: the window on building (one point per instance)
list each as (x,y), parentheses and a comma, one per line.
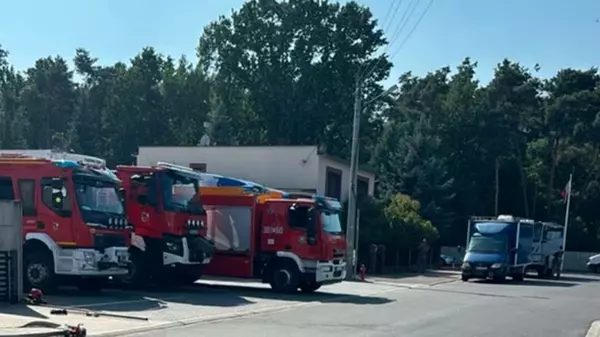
(27,192)
(200,167)
(6,189)
(362,186)
(333,183)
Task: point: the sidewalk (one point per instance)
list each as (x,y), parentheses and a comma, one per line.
(594,330)
(14,317)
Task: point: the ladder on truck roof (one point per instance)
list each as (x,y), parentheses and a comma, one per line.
(502,217)
(55,155)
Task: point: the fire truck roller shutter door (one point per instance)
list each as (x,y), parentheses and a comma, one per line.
(292,257)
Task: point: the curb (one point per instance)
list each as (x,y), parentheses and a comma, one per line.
(594,330)
(221,317)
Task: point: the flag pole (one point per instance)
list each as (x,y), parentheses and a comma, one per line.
(564,246)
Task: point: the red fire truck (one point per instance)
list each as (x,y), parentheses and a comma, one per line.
(70,233)
(289,243)
(169,244)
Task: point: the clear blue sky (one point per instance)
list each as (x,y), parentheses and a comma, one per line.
(553,33)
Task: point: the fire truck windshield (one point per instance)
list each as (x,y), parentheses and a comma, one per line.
(331,222)
(98,197)
(180,193)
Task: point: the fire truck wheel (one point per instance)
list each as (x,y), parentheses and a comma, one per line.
(285,278)
(39,271)
(309,287)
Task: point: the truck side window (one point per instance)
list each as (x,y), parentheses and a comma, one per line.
(55,196)
(27,192)
(298,216)
(145,187)
(6,189)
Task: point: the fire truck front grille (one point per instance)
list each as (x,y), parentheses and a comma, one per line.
(102,241)
(338,254)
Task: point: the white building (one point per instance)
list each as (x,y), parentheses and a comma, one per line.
(289,168)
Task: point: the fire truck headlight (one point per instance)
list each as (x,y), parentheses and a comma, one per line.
(327,269)
(110,221)
(201,223)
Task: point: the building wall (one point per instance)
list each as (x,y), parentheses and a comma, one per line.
(284,167)
(325,162)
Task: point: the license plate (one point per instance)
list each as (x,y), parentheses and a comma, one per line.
(193,231)
(481,268)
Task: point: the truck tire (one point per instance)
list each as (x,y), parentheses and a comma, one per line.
(39,272)
(285,277)
(464,278)
(309,287)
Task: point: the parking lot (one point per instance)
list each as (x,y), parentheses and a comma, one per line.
(226,307)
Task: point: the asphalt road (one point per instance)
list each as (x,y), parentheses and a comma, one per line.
(531,308)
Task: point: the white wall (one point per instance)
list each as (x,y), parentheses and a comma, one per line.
(284,167)
(325,162)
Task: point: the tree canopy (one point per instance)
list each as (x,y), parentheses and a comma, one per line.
(444,145)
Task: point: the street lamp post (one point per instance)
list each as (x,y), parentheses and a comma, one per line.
(351,228)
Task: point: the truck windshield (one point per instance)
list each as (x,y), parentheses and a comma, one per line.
(331,222)
(98,197)
(180,193)
(487,244)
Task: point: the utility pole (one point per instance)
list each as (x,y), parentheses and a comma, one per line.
(351,221)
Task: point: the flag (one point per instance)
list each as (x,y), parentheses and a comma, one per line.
(564,194)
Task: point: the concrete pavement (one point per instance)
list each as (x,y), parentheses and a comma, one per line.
(532,308)
(209,301)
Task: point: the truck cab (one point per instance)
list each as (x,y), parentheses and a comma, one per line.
(74,223)
(169,242)
(289,243)
(497,247)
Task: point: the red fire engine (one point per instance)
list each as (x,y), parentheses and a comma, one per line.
(74,222)
(169,223)
(289,243)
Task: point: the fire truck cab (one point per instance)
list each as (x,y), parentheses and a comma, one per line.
(289,243)
(74,222)
(169,244)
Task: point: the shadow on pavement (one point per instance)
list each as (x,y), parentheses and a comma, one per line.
(21,310)
(319,296)
(125,300)
(530,282)
(428,273)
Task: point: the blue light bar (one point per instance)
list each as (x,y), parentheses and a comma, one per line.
(66,163)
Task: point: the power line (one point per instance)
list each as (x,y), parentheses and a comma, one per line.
(413,29)
(397,33)
(385,29)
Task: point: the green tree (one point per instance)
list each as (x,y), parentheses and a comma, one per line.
(296,61)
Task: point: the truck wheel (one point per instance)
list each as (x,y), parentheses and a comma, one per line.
(309,287)
(597,269)
(39,272)
(518,277)
(284,278)
(464,278)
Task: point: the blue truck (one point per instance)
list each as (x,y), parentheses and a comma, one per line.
(507,246)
